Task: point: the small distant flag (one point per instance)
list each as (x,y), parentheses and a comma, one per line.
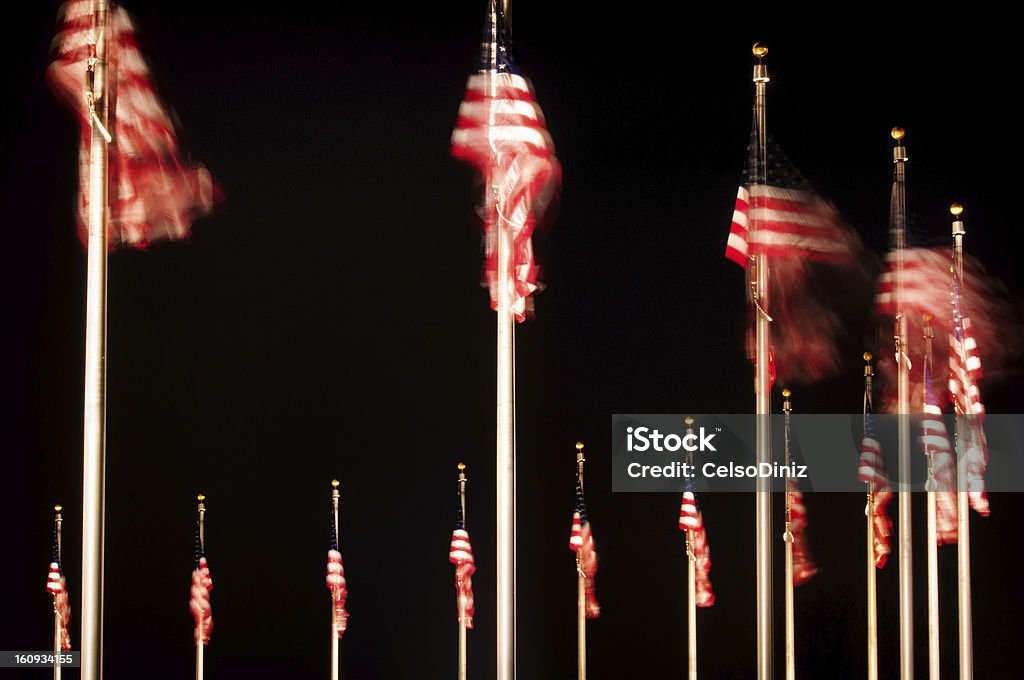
(202,584)
(872,472)
(935,441)
(501,131)
(57,587)
(691,520)
(155,191)
(581,541)
(336,582)
(803,564)
(461,555)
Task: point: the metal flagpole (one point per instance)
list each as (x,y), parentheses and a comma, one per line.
(787,537)
(335,642)
(963,546)
(898,209)
(762,386)
(505,398)
(94,439)
(460,596)
(691,584)
(933,531)
(869,512)
(581,589)
(202,545)
(58,624)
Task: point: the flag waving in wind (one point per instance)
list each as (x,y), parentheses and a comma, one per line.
(935,441)
(581,541)
(155,192)
(336,582)
(872,472)
(691,520)
(501,131)
(461,555)
(803,565)
(202,584)
(57,587)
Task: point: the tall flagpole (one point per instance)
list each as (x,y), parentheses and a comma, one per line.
(460,595)
(933,530)
(94,439)
(581,589)
(963,545)
(335,642)
(691,585)
(58,624)
(762,387)
(898,209)
(787,537)
(505,399)
(869,512)
(202,617)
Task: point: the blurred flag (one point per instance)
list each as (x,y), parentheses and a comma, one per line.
(803,564)
(202,584)
(872,472)
(57,587)
(581,541)
(461,555)
(935,441)
(778,215)
(925,284)
(501,132)
(336,582)
(155,191)
(691,520)
(964,372)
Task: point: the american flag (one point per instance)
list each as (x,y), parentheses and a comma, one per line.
(803,564)
(872,473)
(155,191)
(925,283)
(581,541)
(964,372)
(461,555)
(691,520)
(202,584)
(57,587)
(935,441)
(501,131)
(336,582)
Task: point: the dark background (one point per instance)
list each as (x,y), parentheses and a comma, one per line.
(327,322)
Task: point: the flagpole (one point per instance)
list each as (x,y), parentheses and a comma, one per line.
(933,531)
(581,590)
(762,386)
(94,436)
(459,596)
(691,585)
(505,401)
(202,616)
(335,642)
(869,512)
(906,576)
(58,648)
(963,546)
(787,537)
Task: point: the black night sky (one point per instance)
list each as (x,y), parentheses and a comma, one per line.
(327,322)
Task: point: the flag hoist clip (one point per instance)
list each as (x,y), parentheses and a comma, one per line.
(90,93)
(787,410)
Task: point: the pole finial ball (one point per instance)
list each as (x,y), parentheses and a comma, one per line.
(335,483)
(759,50)
(897,133)
(200,497)
(867,356)
(956,210)
(461,466)
(927,317)
(579,446)
(58,508)
(786,392)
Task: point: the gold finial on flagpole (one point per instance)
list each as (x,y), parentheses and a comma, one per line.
(760,50)
(897,133)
